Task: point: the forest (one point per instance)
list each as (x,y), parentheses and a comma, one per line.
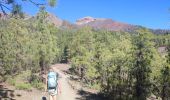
(122,65)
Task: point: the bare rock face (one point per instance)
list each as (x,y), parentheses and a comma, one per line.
(103,23)
(54,20)
(85,20)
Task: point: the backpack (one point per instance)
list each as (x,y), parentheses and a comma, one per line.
(52,80)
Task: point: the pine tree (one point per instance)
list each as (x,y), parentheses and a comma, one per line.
(82,52)
(142,65)
(47,41)
(165,76)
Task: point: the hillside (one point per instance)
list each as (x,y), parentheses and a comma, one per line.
(110,24)
(104,23)
(96,23)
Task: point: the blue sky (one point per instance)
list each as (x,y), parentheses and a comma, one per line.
(149,13)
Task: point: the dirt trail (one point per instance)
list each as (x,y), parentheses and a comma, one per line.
(67,92)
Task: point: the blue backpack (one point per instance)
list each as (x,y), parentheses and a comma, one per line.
(52,80)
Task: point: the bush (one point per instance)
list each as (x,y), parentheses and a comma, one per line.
(95,86)
(11,81)
(38,85)
(23,86)
(36,82)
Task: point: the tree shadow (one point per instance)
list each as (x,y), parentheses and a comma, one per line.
(44,98)
(6,93)
(69,71)
(85,95)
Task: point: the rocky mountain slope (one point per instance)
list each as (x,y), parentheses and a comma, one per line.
(51,18)
(96,23)
(109,24)
(102,23)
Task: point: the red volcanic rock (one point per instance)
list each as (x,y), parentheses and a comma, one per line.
(54,20)
(102,23)
(85,20)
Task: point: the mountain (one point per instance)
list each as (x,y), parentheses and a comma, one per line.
(160,31)
(96,23)
(109,24)
(103,23)
(51,18)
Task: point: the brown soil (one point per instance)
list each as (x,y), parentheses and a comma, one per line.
(8,92)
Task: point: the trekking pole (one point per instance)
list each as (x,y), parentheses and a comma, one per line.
(44,96)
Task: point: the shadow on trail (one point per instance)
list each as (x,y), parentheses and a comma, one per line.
(7,94)
(44,98)
(88,96)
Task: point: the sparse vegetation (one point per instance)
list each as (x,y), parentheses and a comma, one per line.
(23,86)
(11,81)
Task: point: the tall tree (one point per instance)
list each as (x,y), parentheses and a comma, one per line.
(142,64)
(47,40)
(165,76)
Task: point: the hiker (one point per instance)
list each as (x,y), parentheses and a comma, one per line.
(53,85)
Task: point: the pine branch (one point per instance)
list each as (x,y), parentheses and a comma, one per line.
(2,9)
(6,7)
(2,6)
(37,4)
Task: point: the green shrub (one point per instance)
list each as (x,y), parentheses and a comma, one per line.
(11,81)
(36,82)
(23,86)
(38,85)
(95,86)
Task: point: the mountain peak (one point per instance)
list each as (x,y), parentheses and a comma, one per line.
(104,23)
(88,19)
(85,20)
(54,19)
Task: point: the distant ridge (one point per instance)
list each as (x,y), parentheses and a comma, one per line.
(109,24)
(96,23)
